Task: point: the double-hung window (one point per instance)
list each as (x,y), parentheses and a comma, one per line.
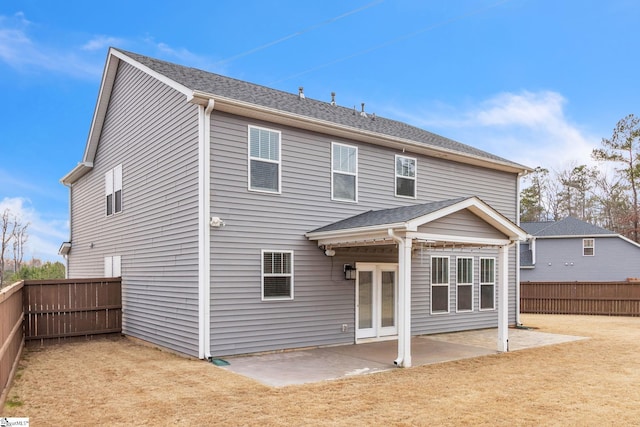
(405,176)
(588,247)
(464,284)
(113,190)
(264,160)
(439,284)
(487,283)
(344,172)
(277,275)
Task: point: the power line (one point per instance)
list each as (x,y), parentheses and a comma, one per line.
(393,41)
(298,33)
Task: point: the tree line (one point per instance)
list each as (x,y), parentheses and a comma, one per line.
(13,239)
(607,199)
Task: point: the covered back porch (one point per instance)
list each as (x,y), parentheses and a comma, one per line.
(445,225)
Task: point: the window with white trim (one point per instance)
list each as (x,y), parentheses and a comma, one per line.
(487,283)
(113,190)
(344,172)
(264,160)
(405,176)
(113,266)
(439,284)
(464,283)
(277,275)
(588,247)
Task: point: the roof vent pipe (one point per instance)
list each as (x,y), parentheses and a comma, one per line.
(333,99)
(301,92)
(362,113)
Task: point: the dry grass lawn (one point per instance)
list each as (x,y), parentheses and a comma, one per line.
(589,382)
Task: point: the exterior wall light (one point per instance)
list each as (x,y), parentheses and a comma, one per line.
(349,272)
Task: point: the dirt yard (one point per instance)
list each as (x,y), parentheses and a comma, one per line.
(589,382)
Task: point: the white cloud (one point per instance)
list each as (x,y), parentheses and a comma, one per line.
(22,51)
(527,127)
(101,43)
(45,235)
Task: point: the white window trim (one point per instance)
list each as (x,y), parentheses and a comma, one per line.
(333,171)
(414,178)
(487,284)
(113,183)
(593,246)
(458,284)
(448,285)
(262,275)
(260,159)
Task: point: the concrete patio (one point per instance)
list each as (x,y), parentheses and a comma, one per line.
(328,363)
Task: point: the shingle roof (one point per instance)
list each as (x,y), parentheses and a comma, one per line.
(566,227)
(215,84)
(389,216)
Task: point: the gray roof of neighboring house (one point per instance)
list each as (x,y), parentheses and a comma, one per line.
(239,90)
(566,227)
(389,216)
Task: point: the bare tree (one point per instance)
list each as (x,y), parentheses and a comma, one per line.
(6,234)
(20,238)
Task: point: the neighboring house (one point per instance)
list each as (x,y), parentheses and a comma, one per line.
(245,219)
(571,250)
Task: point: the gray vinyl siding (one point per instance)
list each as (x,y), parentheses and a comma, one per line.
(153,132)
(240,321)
(561,260)
(462,223)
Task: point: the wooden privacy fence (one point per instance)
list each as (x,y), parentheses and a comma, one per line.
(52,311)
(600,298)
(11,336)
(64,309)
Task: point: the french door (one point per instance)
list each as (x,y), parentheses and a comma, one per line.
(376,300)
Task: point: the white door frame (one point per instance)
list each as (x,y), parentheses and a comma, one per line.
(377,331)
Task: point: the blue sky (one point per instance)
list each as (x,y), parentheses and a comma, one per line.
(540,82)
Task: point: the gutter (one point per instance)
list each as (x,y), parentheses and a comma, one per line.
(274,115)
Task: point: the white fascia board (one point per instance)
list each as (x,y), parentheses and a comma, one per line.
(626,239)
(273,115)
(578,236)
(351,235)
(76,173)
(104,95)
(478,208)
(161,77)
(100,111)
(480,241)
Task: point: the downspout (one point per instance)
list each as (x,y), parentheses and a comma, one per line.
(518,251)
(66,257)
(204,230)
(503,297)
(404,298)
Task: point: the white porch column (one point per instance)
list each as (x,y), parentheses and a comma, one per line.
(406,303)
(503,299)
(404,300)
